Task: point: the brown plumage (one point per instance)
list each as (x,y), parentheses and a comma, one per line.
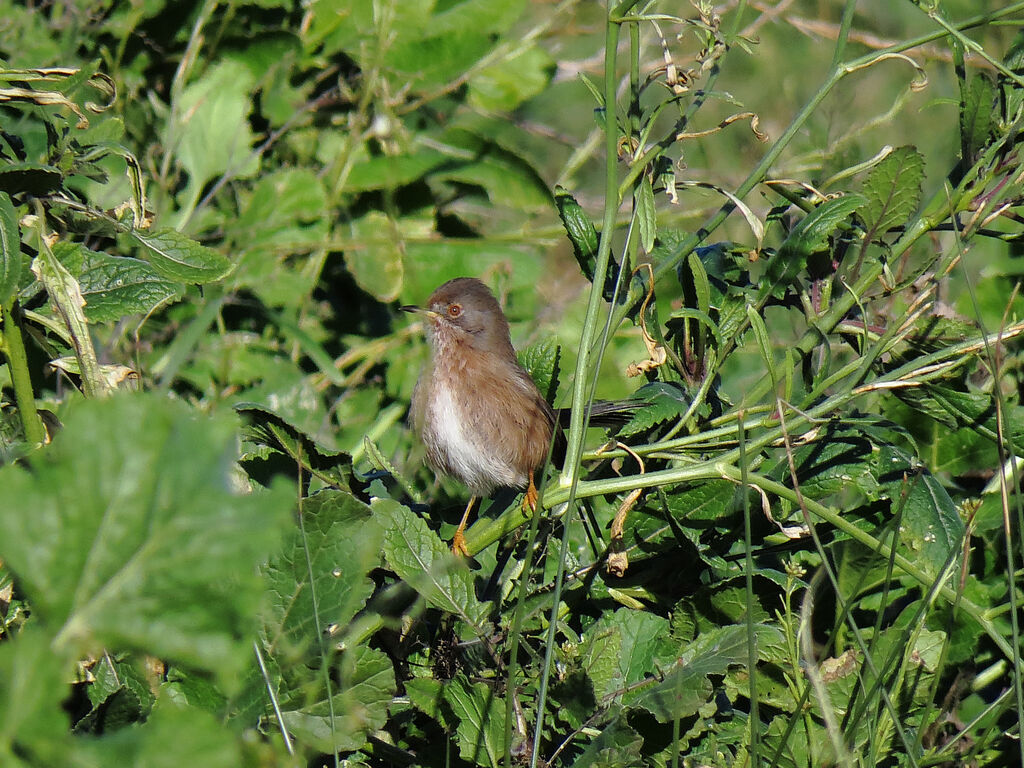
(481,417)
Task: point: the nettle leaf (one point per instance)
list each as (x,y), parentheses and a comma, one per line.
(285,445)
(124,533)
(662,401)
(617,745)
(977,115)
(893,191)
(955,408)
(710,500)
(481,721)
(541,361)
(179,257)
(686,687)
(115,286)
(10,250)
(377,260)
(930,525)
(337,544)
(813,231)
(837,461)
(641,643)
(358,704)
(423,561)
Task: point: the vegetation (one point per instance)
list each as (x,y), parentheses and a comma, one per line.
(790,233)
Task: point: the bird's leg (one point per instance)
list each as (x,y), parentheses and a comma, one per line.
(530,497)
(458,540)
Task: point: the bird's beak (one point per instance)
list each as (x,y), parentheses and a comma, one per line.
(431,314)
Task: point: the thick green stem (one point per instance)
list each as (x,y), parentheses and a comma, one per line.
(17,365)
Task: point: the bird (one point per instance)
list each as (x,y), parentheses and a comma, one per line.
(477,411)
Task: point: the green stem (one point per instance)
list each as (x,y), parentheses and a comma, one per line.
(17,365)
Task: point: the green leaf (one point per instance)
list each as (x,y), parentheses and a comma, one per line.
(505,85)
(617,745)
(209,132)
(181,258)
(393,171)
(646,214)
(124,533)
(481,721)
(30,178)
(377,258)
(662,401)
(930,528)
(710,500)
(423,561)
(541,361)
(686,687)
(33,683)
(893,191)
(977,115)
(357,707)
(337,545)
(10,250)
(813,231)
(636,642)
(289,446)
(116,286)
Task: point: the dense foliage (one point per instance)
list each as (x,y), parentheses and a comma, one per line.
(791,234)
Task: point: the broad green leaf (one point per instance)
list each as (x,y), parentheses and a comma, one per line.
(505,85)
(116,286)
(393,171)
(160,742)
(686,687)
(836,462)
(541,361)
(646,214)
(289,446)
(893,191)
(642,644)
(508,180)
(33,683)
(617,745)
(710,500)
(376,258)
(663,401)
(179,257)
(424,562)
(930,526)
(337,545)
(361,694)
(10,250)
(977,115)
(813,231)
(209,133)
(124,533)
(481,721)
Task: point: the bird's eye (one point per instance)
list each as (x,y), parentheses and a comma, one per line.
(454,310)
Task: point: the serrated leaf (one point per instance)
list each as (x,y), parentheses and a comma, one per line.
(290,446)
(423,561)
(357,707)
(977,113)
(710,500)
(541,361)
(337,545)
(378,261)
(481,721)
(134,540)
(640,641)
(662,401)
(10,250)
(617,745)
(116,286)
(811,234)
(181,258)
(893,191)
(646,214)
(930,526)
(685,688)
